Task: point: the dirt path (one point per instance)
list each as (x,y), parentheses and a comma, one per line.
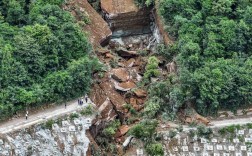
(41,116)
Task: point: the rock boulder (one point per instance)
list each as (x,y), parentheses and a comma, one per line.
(120,74)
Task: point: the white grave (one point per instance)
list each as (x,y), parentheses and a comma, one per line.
(249,153)
(236,140)
(71,129)
(243,148)
(238,154)
(77,122)
(216,154)
(63,130)
(190,154)
(219,147)
(226,154)
(231,148)
(248,140)
(209,147)
(175,149)
(88,121)
(65,123)
(55,126)
(214,140)
(205,154)
(185,142)
(241,132)
(203,140)
(250,131)
(224,140)
(185,148)
(196,149)
(139,152)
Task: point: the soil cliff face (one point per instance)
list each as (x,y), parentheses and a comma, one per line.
(98,29)
(125,18)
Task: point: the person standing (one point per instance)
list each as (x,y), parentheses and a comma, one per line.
(86,98)
(82,100)
(65,105)
(78,101)
(26,116)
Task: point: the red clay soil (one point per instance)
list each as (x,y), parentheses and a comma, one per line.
(118,6)
(98,29)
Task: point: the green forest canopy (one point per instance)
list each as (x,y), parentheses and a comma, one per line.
(214,44)
(44,55)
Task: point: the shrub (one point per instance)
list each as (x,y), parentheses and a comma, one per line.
(249,125)
(48,124)
(144,129)
(167,52)
(191,133)
(172,134)
(222,131)
(151,68)
(152,106)
(111,128)
(142,3)
(155,149)
(87,110)
(73,116)
(204,131)
(180,128)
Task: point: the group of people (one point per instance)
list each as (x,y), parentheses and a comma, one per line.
(81,100)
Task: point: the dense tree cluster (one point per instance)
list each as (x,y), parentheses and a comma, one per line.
(44,55)
(213,39)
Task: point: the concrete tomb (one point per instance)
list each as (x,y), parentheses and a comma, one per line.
(71,129)
(238,154)
(214,140)
(196,149)
(65,123)
(175,149)
(185,148)
(203,141)
(209,147)
(139,152)
(243,148)
(231,148)
(219,147)
(236,140)
(63,130)
(77,122)
(205,154)
(241,132)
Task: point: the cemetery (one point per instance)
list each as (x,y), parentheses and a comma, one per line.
(233,140)
(63,137)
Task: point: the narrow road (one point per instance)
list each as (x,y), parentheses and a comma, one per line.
(228,122)
(41,116)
